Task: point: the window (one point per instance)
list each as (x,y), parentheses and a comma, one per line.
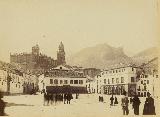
(144,94)
(104,81)
(122,79)
(55,81)
(113,71)
(51,81)
(142,82)
(108,81)
(147,81)
(61,81)
(139,88)
(75,81)
(80,81)
(71,81)
(132,79)
(112,80)
(65,82)
(117,80)
(146,76)
(16,85)
(145,88)
(116,71)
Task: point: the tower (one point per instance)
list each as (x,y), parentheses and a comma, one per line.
(61,54)
(35,50)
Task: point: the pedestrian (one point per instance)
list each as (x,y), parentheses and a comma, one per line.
(116,101)
(112,99)
(135,104)
(65,98)
(51,98)
(124,104)
(131,100)
(149,108)
(2,105)
(45,98)
(76,95)
(69,97)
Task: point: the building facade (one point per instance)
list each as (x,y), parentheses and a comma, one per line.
(12,81)
(64,79)
(149,80)
(116,81)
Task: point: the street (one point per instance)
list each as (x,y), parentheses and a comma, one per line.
(86,105)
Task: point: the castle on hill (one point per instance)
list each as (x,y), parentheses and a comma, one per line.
(37,61)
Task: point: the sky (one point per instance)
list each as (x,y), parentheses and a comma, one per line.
(130,24)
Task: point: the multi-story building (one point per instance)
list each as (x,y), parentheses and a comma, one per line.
(146,84)
(64,79)
(117,80)
(148,80)
(12,81)
(37,61)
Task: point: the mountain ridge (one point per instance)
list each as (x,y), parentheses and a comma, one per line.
(103,55)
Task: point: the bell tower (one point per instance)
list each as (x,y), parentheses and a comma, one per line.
(61,54)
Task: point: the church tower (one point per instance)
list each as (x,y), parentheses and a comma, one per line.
(61,54)
(35,50)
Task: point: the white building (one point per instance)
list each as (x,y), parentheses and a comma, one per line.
(62,79)
(13,81)
(147,84)
(117,80)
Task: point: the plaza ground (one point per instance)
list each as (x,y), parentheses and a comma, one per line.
(86,105)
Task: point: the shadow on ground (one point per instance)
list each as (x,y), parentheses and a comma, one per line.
(14,104)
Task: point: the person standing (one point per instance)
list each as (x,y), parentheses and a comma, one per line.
(116,101)
(149,108)
(112,99)
(135,104)
(124,104)
(69,97)
(65,98)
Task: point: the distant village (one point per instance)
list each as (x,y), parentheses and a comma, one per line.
(28,73)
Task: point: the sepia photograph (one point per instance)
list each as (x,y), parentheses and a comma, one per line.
(79,58)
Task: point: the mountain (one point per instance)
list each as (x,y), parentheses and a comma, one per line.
(145,55)
(99,56)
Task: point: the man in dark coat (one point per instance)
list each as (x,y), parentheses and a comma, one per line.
(135,104)
(65,98)
(124,104)
(111,100)
(69,97)
(149,108)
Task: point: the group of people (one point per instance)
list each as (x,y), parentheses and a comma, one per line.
(51,98)
(113,100)
(149,108)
